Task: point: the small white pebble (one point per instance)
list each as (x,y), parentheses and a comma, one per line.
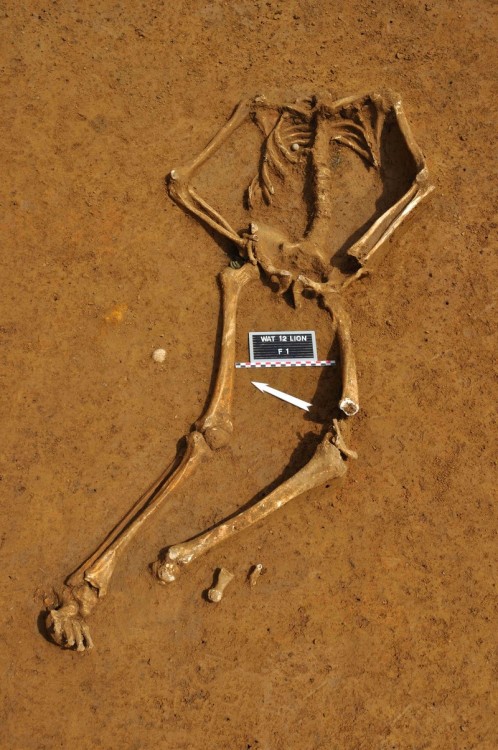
(295,147)
(159,355)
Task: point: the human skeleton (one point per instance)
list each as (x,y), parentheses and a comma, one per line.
(297,135)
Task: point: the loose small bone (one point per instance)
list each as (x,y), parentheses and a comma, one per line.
(254,574)
(216,593)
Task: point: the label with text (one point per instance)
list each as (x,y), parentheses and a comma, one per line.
(269,346)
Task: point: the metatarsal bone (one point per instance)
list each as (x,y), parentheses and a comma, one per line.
(215,594)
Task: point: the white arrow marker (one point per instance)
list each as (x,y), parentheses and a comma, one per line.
(264,388)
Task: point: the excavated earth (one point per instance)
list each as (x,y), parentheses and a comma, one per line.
(373,626)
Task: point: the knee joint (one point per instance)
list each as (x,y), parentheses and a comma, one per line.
(216,430)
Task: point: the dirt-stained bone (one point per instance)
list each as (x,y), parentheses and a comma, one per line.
(254,574)
(327,463)
(297,135)
(215,594)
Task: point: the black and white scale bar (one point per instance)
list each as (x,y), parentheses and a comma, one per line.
(280,346)
(289,363)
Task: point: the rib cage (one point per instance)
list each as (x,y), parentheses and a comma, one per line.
(359,128)
(277,154)
(356,128)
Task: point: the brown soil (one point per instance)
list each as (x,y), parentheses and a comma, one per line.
(373,624)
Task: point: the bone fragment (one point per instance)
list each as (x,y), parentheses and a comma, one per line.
(340,442)
(216,593)
(255,573)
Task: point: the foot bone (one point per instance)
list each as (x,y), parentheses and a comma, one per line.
(67,624)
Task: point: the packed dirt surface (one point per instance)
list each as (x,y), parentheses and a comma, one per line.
(373,625)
